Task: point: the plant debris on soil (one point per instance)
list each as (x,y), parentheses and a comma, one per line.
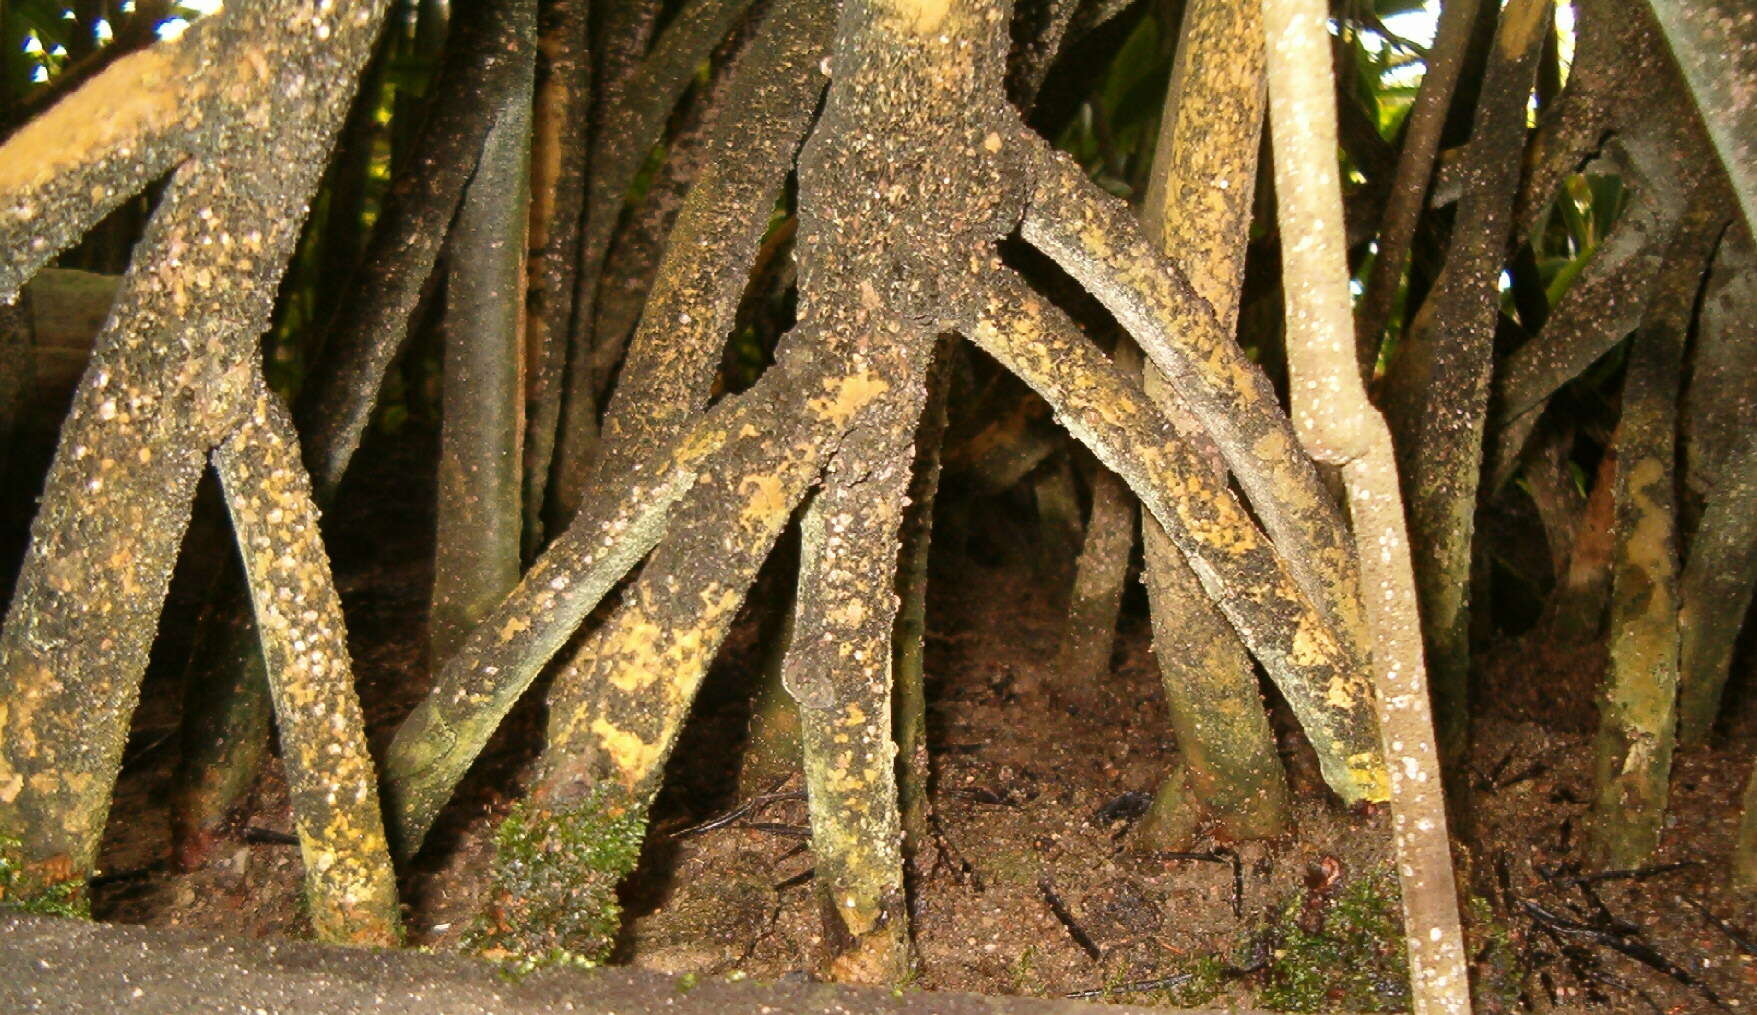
(1033,884)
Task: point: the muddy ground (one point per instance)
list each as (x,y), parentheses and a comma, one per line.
(1034,884)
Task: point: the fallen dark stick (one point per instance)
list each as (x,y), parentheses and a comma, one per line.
(1075,931)
(783,830)
(1220,855)
(1137,987)
(1724,927)
(728,817)
(1622,942)
(1553,874)
(1530,771)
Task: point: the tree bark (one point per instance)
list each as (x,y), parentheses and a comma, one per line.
(1638,713)
(170,378)
(1715,43)
(350,886)
(1198,210)
(1437,386)
(1341,427)
(476,546)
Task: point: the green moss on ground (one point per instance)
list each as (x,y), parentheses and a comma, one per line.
(553,896)
(21,894)
(1355,958)
(1500,970)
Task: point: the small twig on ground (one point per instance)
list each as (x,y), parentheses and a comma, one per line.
(1135,987)
(1530,771)
(778,828)
(1620,937)
(725,818)
(1740,939)
(1555,875)
(1074,929)
(796,880)
(1218,855)
(962,871)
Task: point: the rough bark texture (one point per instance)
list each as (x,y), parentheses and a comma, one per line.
(641,241)
(1715,593)
(169,379)
(913,767)
(1659,151)
(839,670)
(631,125)
(1341,427)
(1198,210)
(436,744)
(72,165)
(1603,304)
(1098,241)
(558,200)
(1437,386)
(1638,714)
(349,884)
(1715,43)
(486,55)
(479,522)
(1228,767)
(1083,661)
(615,714)
(1238,568)
(690,311)
(1721,402)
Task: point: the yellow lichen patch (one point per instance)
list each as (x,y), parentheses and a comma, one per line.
(764,496)
(848,395)
(1095,241)
(639,658)
(513,627)
(1339,694)
(1368,771)
(139,95)
(703,442)
(1271,447)
(1309,646)
(921,15)
(632,756)
(717,605)
(849,614)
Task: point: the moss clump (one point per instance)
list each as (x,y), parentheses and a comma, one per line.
(1500,969)
(21,893)
(1027,979)
(1206,974)
(553,897)
(1355,959)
